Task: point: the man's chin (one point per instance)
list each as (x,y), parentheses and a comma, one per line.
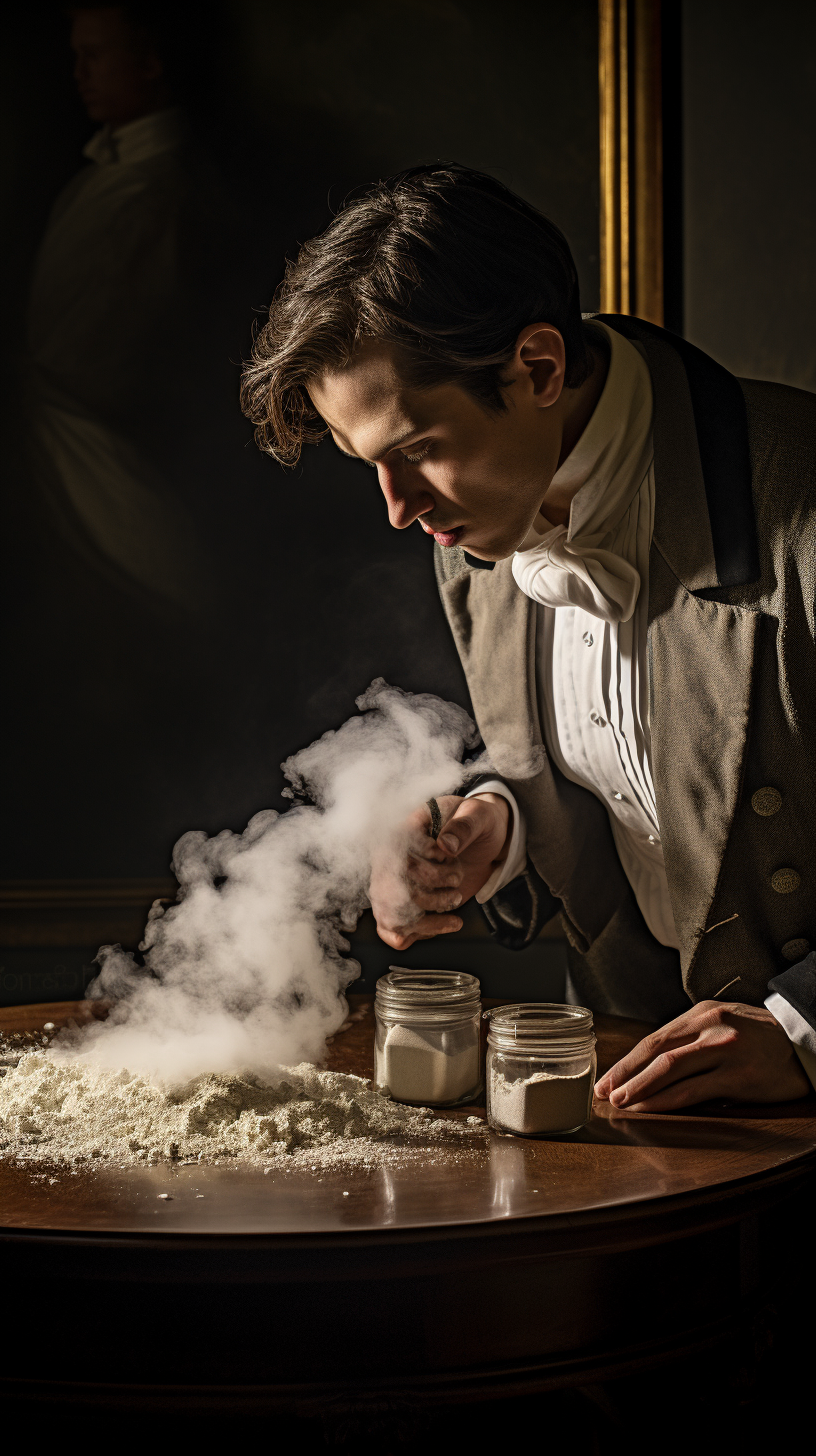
(487,551)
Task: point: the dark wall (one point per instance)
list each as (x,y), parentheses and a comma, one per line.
(131,722)
(750,201)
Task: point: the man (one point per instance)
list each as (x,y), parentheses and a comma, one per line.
(640,657)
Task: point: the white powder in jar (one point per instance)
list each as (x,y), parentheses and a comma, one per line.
(544,1102)
(415,1068)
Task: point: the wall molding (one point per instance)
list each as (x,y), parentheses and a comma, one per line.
(84,914)
(77,914)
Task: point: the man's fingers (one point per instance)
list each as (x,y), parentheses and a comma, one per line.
(424,929)
(641,1056)
(424,874)
(432,925)
(448,898)
(704,1088)
(708,1020)
(674,1065)
(664,1049)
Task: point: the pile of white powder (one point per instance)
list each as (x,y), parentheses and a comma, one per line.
(69,1111)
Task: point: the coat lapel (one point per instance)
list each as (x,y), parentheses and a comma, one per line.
(701,651)
(701,662)
(493,624)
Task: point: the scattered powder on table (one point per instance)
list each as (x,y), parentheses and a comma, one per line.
(541,1103)
(55,1109)
(415,1069)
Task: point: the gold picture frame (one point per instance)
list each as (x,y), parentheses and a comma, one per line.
(632,222)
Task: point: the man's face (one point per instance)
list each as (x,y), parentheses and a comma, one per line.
(471,477)
(116,71)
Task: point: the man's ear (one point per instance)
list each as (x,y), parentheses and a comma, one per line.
(540,355)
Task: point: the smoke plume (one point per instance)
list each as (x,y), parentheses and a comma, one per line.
(247,970)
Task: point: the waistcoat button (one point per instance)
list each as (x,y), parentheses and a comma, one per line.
(766,802)
(785,881)
(795,950)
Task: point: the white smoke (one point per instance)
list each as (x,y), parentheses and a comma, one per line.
(247,970)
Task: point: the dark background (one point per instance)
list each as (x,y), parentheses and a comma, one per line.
(749,131)
(129,727)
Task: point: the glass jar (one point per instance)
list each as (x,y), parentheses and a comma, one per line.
(426,1040)
(540,1068)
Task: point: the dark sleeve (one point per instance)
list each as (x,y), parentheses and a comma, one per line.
(518,913)
(798,986)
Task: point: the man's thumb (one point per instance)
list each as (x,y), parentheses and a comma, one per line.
(459,830)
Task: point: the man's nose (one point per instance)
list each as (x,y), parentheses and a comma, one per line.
(405,502)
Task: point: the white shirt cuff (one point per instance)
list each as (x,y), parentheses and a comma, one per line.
(799,1031)
(515,859)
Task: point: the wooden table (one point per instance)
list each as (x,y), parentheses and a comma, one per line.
(521,1265)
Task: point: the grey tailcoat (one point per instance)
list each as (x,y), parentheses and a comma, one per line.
(732,594)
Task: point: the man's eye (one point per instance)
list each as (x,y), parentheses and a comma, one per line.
(418,455)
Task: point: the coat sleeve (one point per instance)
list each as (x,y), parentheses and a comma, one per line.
(518,912)
(798,986)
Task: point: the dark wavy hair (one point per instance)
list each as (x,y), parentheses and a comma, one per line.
(445,264)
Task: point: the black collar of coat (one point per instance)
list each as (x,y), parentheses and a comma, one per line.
(704,513)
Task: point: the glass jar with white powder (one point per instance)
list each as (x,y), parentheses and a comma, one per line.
(540,1068)
(426,1047)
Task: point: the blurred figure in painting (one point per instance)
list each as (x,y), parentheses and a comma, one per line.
(113,432)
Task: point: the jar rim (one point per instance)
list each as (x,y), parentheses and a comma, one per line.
(404,988)
(545,1026)
(546,1016)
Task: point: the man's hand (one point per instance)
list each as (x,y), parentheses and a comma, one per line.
(438,875)
(714,1050)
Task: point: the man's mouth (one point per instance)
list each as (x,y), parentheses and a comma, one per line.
(448,537)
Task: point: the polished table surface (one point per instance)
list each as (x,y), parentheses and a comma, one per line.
(450,1274)
(617,1161)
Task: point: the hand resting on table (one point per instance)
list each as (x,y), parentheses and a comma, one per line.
(714,1050)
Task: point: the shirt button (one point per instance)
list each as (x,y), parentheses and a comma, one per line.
(588,638)
(597,719)
(795,950)
(652,839)
(619,798)
(785,881)
(766,802)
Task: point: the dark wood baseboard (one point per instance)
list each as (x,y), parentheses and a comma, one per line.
(40,914)
(66,914)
